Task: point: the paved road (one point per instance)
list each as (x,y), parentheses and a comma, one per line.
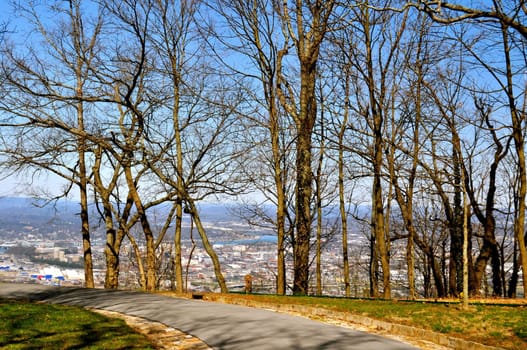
(221,326)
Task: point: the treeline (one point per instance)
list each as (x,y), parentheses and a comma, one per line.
(415,109)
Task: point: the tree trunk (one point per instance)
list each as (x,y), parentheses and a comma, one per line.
(518,120)
(86,244)
(513,282)
(456,231)
(304,179)
(280,260)
(342,202)
(79,68)
(378,214)
(465,242)
(434,265)
(307,41)
(208,247)
(147,231)
(318,184)
(303,212)
(279,181)
(374,267)
(151,274)
(139,259)
(83,189)
(319,235)
(374,112)
(438,276)
(178,266)
(519,229)
(111,280)
(410,264)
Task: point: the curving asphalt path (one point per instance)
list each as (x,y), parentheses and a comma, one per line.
(221,326)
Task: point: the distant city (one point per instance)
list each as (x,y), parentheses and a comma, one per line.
(43,245)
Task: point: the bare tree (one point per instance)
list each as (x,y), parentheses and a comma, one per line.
(306,24)
(47,87)
(253,25)
(510,17)
(510,13)
(376,57)
(208,131)
(172,36)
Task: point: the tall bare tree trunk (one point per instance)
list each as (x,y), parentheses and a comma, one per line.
(489,249)
(341,188)
(456,230)
(373,267)
(147,231)
(519,229)
(83,189)
(518,120)
(318,199)
(206,244)
(343,220)
(307,39)
(376,115)
(304,179)
(280,209)
(111,256)
(250,22)
(75,15)
(319,238)
(465,242)
(279,181)
(139,260)
(409,222)
(174,30)
(178,265)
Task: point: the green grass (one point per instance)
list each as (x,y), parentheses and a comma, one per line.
(503,326)
(26,325)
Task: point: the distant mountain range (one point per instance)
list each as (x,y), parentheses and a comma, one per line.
(30,211)
(35,211)
(17,212)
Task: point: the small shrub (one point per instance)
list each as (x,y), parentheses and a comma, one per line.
(441,328)
(520,331)
(497,335)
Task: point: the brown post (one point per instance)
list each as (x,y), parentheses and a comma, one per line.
(248,284)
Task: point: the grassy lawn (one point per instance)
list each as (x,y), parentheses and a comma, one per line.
(503,326)
(44,326)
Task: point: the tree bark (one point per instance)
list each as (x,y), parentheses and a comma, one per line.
(151,280)
(208,247)
(341,189)
(178,265)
